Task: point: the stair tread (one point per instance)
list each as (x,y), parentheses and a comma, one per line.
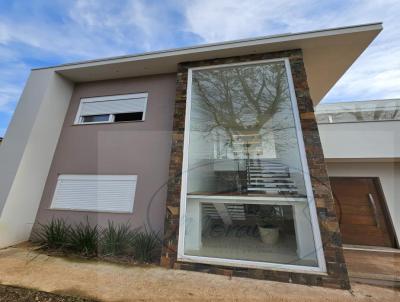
(267,169)
(271,185)
(272,178)
(265,165)
(272,189)
(282,181)
(266,175)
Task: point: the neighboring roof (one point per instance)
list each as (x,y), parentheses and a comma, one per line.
(359,106)
(327,55)
(358,111)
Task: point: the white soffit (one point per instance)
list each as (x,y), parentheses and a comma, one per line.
(327,55)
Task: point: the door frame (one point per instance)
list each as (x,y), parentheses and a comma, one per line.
(385,210)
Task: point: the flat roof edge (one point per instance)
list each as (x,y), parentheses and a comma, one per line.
(350,106)
(239,43)
(360,101)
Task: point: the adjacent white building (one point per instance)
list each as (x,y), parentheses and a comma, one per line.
(361,143)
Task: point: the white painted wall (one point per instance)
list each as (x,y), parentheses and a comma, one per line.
(389,176)
(373,140)
(27,152)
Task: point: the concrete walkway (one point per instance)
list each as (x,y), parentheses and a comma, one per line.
(109,282)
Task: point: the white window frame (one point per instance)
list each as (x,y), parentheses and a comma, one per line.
(92,177)
(79,119)
(181,256)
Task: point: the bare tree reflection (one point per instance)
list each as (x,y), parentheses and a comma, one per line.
(244,113)
(240,100)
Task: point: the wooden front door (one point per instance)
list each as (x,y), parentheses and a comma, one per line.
(361,211)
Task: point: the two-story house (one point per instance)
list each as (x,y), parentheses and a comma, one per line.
(216,146)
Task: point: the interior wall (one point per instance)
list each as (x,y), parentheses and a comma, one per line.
(388,174)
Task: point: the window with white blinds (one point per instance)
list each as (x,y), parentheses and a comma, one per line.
(108,109)
(98,193)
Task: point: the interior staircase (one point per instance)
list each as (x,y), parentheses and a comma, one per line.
(266,176)
(226,212)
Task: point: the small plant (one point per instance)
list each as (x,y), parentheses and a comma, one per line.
(84,239)
(117,239)
(145,244)
(269,221)
(54,235)
(269,216)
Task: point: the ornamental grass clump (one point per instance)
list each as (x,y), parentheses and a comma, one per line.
(53,235)
(145,245)
(84,239)
(117,240)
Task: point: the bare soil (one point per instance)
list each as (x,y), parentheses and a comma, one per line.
(99,280)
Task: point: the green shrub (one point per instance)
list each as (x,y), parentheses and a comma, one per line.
(53,235)
(84,239)
(145,244)
(117,240)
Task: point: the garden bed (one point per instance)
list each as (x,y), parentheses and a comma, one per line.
(117,243)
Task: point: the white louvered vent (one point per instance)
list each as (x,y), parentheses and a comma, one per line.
(99,193)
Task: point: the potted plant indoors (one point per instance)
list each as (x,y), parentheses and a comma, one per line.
(269,220)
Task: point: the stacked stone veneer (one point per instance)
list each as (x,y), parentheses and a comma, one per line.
(336,276)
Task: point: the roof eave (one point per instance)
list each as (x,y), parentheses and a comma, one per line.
(327,55)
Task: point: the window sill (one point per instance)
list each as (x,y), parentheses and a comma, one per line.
(90,211)
(107,123)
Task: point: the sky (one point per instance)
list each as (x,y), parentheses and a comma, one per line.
(39,33)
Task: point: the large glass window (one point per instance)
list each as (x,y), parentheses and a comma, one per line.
(244,188)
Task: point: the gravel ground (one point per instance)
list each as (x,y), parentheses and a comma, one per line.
(19,294)
(103,281)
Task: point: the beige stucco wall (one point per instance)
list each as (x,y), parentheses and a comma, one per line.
(139,148)
(27,150)
(389,176)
